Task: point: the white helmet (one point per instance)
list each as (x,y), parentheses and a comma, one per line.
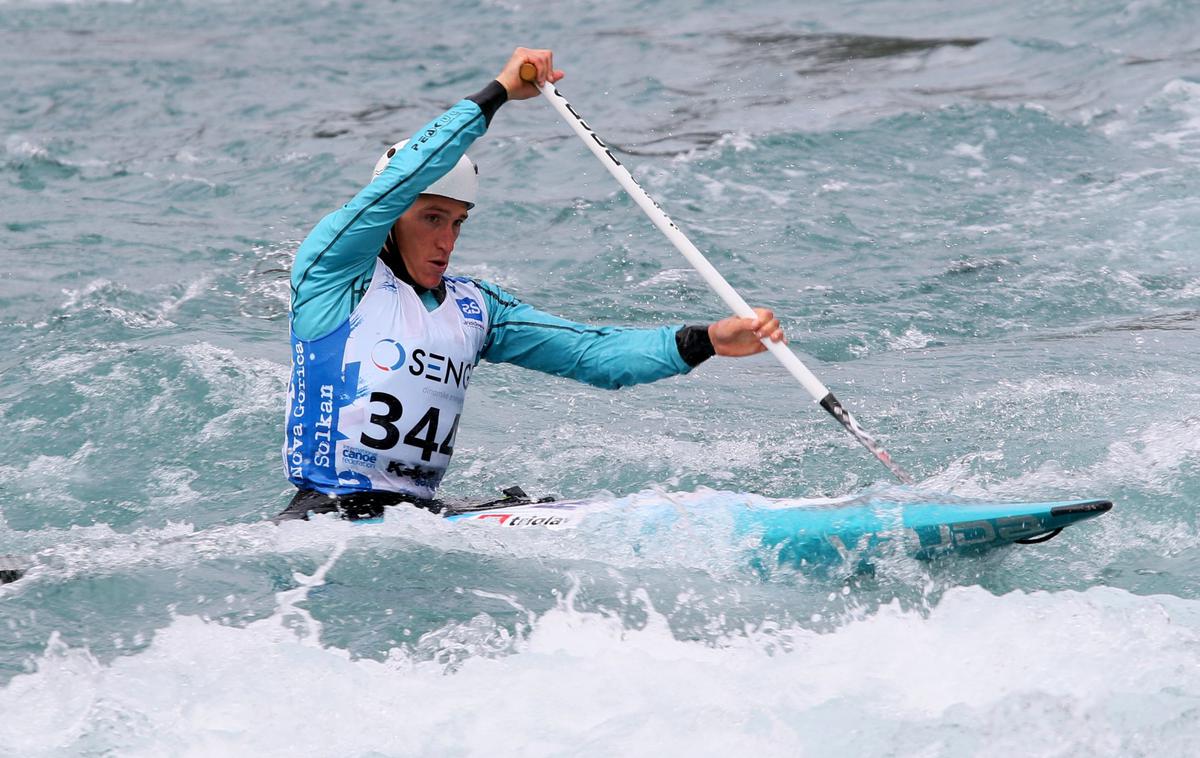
(460,183)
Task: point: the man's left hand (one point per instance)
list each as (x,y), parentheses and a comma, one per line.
(736,336)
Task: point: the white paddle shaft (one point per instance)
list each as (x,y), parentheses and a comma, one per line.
(819,392)
(664,223)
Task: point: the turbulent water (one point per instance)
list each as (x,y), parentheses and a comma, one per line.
(978,222)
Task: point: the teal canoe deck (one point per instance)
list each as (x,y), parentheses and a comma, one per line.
(834,533)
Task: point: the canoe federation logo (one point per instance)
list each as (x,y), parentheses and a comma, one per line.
(388,355)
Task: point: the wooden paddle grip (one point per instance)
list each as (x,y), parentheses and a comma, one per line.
(528,72)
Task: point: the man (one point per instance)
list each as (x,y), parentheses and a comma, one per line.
(384,342)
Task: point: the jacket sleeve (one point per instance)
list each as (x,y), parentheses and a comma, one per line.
(607,357)
(334,263)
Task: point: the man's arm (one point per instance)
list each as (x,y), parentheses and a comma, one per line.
(334,263)
(610,357)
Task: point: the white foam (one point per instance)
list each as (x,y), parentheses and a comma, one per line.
(974,152)
(669,276)
(183,178)
(250,386)
(1182,97)
(1148,460)
(912,339)
(21,147)
(193,290)
(97,294)
(48,471)
(1099,672)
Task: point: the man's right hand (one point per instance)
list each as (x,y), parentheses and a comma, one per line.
(510,76)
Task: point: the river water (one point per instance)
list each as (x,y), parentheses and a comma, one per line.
(977,221)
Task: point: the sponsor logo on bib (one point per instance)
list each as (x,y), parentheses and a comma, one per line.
(361,458)
(470,309)
(387,355)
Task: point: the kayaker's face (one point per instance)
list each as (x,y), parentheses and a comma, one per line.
(426,234)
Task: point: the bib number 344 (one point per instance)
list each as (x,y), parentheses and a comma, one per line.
(423,435)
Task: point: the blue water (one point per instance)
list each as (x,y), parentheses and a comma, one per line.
(977,221)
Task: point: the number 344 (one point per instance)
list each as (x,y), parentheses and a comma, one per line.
(423,435)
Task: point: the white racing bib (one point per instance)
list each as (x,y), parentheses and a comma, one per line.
(375,405)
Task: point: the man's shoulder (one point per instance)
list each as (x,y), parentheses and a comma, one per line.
(491,291)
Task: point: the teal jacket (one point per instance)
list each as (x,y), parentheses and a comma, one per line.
(333,268)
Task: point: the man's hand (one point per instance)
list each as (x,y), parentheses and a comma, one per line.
(736,336)
(510,76)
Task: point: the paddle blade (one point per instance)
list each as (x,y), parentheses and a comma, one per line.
(12,568)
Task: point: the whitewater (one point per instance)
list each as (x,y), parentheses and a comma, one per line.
(978,224)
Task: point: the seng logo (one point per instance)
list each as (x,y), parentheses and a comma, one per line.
(388,355)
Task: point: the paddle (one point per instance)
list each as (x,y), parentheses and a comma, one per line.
(12,568)
(740,307)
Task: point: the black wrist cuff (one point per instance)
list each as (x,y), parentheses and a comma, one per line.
(694,345)
(489,99)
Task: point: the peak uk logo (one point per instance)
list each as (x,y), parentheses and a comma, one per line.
(388,355)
